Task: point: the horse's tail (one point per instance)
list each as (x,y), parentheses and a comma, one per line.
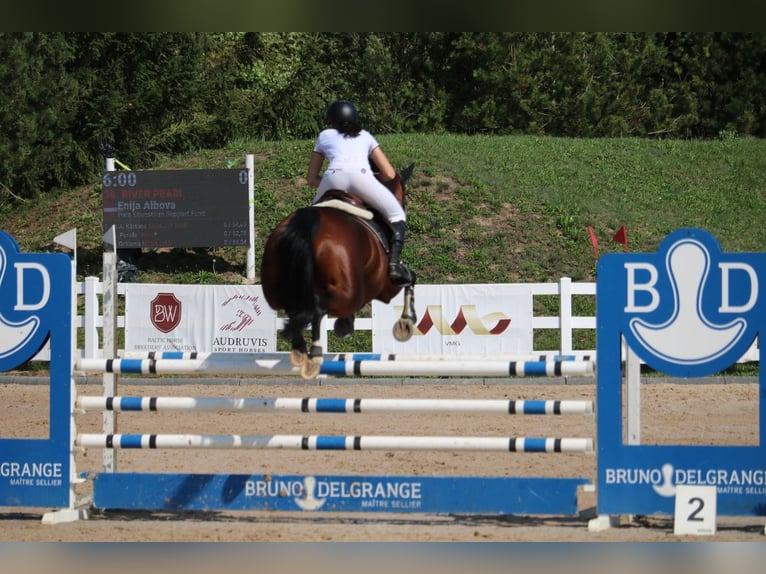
(295,253)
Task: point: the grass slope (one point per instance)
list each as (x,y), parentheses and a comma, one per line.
(481,209)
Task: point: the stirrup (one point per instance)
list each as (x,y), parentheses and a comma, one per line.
(399,274)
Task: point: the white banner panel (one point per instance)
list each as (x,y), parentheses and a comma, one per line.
(459,320)
(202,318)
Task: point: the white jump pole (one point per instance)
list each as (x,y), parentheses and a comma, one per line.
(329,442)
(252,364)
(539,357)
(337,405)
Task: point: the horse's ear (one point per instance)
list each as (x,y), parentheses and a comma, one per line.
(406,173)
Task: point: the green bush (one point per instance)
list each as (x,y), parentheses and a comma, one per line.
(163,93)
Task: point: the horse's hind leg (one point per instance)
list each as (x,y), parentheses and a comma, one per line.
(310,369)
(293,332)
(344,327)
(299,350)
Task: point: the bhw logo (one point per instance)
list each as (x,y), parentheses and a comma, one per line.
(490,324)
(165,312)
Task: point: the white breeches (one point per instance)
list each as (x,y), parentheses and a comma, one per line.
(364,184)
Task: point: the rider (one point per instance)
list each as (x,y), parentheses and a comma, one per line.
(350,150)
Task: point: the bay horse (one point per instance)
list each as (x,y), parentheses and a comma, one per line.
(327,260)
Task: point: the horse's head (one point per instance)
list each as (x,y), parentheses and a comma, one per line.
(396,185)
(406,173)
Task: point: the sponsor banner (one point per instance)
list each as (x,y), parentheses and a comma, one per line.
(420,494)
(201,318)
(651,476)
(460,319)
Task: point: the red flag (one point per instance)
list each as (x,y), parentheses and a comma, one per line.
(593,241)
(621,237)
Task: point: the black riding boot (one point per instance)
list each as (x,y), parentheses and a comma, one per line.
(397,271)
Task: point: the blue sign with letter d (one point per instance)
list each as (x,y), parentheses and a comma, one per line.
(689,310)
(35,307)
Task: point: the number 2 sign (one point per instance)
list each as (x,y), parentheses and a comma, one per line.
(695,511)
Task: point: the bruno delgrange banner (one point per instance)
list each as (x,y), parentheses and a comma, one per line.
(201,318)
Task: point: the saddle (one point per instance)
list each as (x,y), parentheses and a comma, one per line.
(353,205)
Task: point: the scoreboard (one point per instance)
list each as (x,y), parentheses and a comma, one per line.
(177,208)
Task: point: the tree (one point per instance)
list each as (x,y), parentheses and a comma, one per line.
(39,100)
(149,93)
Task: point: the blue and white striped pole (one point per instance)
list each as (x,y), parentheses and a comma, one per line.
(330,442)
(336,405)
(253,365)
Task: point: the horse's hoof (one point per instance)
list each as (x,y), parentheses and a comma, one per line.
(403,329)
(310,369)
(297,358)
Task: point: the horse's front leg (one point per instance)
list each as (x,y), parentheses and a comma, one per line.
(405,325)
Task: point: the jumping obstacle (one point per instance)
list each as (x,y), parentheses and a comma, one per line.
(473,494)
(538,357)
(429,494)
(335,405)
(636,296)
(331,442)
(454,495)
(255,364)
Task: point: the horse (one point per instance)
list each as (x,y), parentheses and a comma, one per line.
(331,259)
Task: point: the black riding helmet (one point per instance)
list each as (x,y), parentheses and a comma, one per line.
(342,115)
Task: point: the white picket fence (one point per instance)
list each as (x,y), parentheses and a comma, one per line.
(89,319)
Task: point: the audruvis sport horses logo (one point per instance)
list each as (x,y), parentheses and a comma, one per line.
(703,292)
(24,290)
